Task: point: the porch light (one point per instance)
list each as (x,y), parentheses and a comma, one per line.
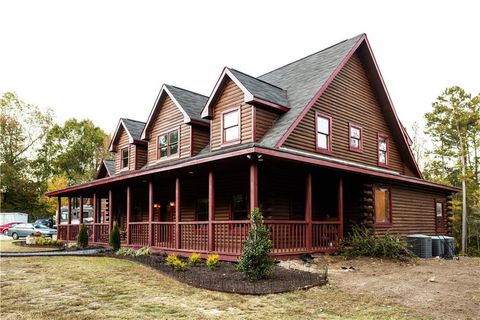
(172,204)
(156,205)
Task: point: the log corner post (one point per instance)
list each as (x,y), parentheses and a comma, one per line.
(150,213)
(253,185)
(211,211)
(340,207)
(129,212)
(177,213)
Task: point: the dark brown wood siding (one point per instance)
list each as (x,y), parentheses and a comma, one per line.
(413,211)
(141,156)
(122,142)
(264,121)
(231,97)
(349,99)
(168,118)
(200,139)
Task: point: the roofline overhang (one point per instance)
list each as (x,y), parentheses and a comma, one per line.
(283,153)
(248,96)
(130,138)
(164,90)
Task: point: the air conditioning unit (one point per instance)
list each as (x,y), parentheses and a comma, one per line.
(421,245)
(438,246)
(449,247)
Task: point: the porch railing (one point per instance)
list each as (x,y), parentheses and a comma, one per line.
(325,235)
(288,236)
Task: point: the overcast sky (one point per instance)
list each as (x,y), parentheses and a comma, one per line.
(108,59)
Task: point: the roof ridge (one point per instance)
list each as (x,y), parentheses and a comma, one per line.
(199,94)
(258,79)
(132,120)
(317,52)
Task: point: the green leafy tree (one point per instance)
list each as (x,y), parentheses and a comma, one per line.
(454,126)
(73,150)
(255,262)
(23,128)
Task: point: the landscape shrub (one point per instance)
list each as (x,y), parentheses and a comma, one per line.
(212,261)
(41,241)
(126,252)
(255,262)
(195,259)
(176,264)
(362,242)
(114,239)
(144,251)
(82,238)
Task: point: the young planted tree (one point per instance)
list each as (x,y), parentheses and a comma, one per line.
(255,263)
(82,239)
(454,126)
(114,239)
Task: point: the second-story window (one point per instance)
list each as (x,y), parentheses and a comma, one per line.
(231,126)
(124,162)
(324,133)
(356,143)
(167,144)
(382,150)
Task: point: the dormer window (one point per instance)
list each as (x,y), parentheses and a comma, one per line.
(124,161)
(382,150)
(167,144)
(231,126)
(323,133)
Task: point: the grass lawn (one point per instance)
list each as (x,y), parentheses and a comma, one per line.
(108,288)
(8,246)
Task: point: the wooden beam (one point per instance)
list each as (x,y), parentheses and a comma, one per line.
(253,185)
(177,213)
(110,211)
(340,206)
(211,211)
(129,211)
(308,211)
(95,216)
(80,214)
(69,217)
(150,213)
(59,212)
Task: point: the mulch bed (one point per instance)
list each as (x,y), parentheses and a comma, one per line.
(23,243)
(226,279)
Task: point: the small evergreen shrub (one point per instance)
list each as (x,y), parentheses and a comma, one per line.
(176,264)
(255,263)
(195,259)
(114,239)
(144,251)
(212,261)
(41,241)
(363,243)
(82,238)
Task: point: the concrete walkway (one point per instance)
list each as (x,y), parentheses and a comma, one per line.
(53,253)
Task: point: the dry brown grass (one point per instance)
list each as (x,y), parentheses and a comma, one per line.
(9,246)
(107,288)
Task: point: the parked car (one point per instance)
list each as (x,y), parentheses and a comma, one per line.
(6,226)
(26,229)
(46,222)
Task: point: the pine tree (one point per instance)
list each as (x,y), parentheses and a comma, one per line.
(114,239)
(82,239)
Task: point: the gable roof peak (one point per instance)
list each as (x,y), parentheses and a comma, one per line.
(133,128)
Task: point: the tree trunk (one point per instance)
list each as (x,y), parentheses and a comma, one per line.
(464,196)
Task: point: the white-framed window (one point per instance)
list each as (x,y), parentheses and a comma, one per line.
(323,133)
(231,126)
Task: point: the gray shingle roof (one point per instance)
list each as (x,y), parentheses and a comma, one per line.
(191,102)
(302,79)
(110,166)
(262,89)
(134,127)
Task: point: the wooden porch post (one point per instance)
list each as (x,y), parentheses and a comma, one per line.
(340,206)
(95,216)
(150,213)
(80,215)
(253,185)
(177,213)
(129,211)
(110,211)
(308,211)
(59,212)
(211,211)
(69,217)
